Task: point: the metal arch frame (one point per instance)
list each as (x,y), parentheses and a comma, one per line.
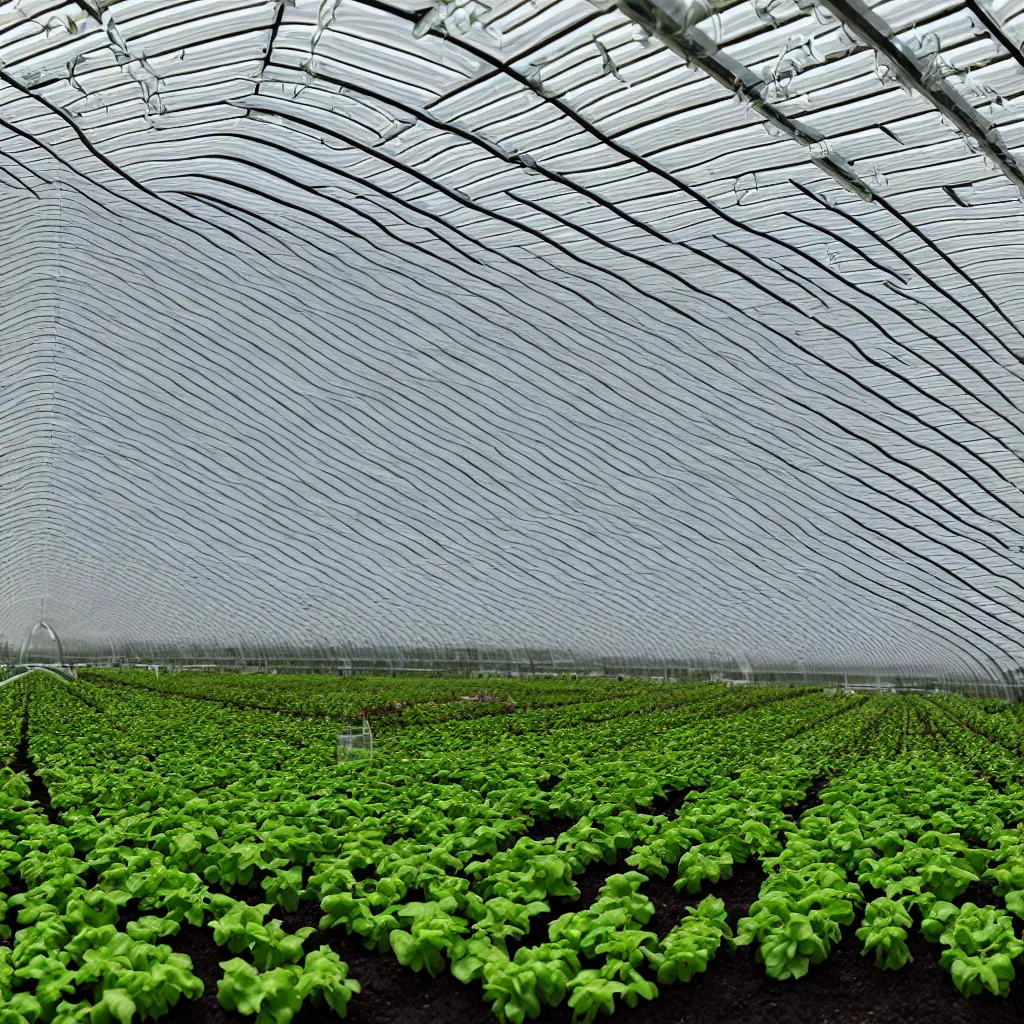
(30,636)
(53,670)
(93,8)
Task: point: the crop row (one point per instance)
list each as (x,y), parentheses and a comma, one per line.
(464,846)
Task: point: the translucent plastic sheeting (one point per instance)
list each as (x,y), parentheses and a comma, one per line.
(648,330)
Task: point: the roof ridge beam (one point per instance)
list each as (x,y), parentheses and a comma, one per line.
(878,34)
(672,22)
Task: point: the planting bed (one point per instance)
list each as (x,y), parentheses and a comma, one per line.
(185,848)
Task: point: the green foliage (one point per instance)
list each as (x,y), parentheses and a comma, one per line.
(885,928)
(430,931)
(603,927)
(243,927)
(689,947)
(285,887)
(942,865)
(162,813)
(502,919)
(706,862)
(981,946)
(276,995)
(1008,873)
(594,992)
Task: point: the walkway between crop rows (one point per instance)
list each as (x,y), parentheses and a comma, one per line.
(23,763)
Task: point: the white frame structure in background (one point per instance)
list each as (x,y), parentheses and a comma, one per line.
(59,667)
(355,743)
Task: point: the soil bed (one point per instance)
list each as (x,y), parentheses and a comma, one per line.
(846,989)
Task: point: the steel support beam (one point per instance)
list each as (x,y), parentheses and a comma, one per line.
(863,22)
(671,21)
(91,7)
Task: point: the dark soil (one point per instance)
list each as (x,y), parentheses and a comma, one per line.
(846,989)
(549,783)
(548,828)
(391,994)
(252,892)
(132,911)
(589,884)
(670,803)
(737,893)
(810,799)
(979,893)
(206,957)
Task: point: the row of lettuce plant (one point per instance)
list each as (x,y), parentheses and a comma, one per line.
(171,805)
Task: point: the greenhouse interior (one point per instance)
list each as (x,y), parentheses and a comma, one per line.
(511,510)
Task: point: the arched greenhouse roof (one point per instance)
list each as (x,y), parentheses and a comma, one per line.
(649,329)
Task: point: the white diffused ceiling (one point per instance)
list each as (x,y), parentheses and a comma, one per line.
(646,330)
